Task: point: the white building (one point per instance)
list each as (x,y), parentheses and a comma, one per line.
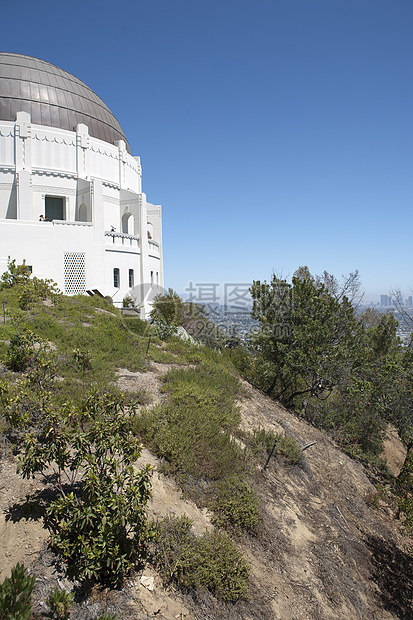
(64,157)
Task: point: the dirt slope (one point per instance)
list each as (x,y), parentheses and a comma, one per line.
(323,552)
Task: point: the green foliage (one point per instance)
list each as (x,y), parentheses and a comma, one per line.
(193,430)
(30,289)
(236,505)
(208,562)
(15,595)
(169,312)
(404,489)
(166,308)
(21,350)
(98,520)
(163,329)
(347,374)
(261,443)
(60,602)
(15,274)
(305,337)
(128,302)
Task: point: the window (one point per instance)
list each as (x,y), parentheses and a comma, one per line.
(116,277)
(82,216)
(151,278)
(54,208)
(131,279)
(128,224)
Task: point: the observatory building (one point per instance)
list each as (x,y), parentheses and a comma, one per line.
(71,201)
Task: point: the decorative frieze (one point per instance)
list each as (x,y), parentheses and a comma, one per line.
(46,138)
(114,201)
(60,191)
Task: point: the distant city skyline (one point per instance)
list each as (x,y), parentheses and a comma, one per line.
(273,133)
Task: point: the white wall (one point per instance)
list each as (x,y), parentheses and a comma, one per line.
(38,161)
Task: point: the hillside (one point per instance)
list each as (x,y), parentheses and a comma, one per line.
(327,544)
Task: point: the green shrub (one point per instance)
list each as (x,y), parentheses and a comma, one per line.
(21,350)
(261,443)
(59,602)
(15,274)
(288,448)
(193,430)
(99,526)
(16,594)
(209,562)
(236,505)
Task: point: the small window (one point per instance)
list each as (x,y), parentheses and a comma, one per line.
(54,208)
(151,278)
(131,279)
(116,277)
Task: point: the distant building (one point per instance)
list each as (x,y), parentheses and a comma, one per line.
(385,301)
(71,202)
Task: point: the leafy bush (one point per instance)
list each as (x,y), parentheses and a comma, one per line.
(208,562)
(21,350)
(98,522)
(15,274)
(236,505)
(16,594)
(60,602)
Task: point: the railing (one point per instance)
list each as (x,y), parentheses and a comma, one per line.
(153,246)
(68,223)
(123,239)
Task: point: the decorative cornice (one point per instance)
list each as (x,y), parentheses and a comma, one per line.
(7,135)
(6,185)
(111,185)
(54,173)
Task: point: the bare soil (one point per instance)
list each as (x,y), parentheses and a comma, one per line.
(324,549)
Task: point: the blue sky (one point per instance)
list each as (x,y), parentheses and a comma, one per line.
(275,133)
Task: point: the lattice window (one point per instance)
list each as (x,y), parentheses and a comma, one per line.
(75,273)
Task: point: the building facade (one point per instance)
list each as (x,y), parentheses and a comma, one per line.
(71,200)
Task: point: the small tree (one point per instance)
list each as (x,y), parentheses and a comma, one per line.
(305,337)
(98,518)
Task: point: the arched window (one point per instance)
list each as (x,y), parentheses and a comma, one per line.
(128,224)
(82,217)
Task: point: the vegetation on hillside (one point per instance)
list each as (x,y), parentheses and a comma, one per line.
(64,416)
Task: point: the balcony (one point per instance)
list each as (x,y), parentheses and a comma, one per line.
(122,240)
(153,247)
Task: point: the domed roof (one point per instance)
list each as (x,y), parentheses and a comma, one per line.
(53,97)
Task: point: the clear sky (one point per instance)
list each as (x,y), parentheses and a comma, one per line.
(275,133)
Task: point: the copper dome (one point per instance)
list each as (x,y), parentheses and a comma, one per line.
(53,97)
